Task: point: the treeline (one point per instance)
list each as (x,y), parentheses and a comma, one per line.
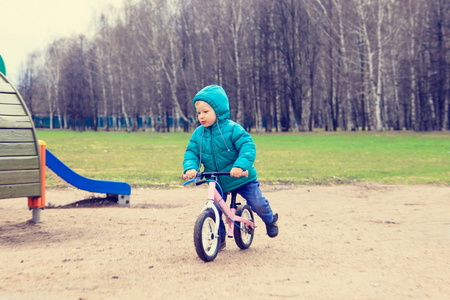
(286,65)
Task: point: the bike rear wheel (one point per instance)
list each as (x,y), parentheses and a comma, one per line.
(205,241)
(244,237)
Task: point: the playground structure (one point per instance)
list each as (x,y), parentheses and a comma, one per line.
(23,158)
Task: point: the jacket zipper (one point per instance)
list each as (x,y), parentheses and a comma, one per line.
(214,155)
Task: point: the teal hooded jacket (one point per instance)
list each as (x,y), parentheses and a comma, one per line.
(222,146)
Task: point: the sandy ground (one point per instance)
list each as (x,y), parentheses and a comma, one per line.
(343,242)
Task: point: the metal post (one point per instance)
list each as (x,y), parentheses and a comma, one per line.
(36,204)
(36,215)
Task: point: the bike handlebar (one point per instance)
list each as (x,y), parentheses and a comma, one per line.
(210,174)
(207,175)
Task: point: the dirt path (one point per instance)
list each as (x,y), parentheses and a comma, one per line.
(342,242)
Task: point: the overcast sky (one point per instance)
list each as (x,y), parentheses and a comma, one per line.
(27,25)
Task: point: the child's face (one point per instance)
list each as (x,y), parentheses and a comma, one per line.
(206,114)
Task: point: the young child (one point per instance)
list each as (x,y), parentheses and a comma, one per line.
(222,145)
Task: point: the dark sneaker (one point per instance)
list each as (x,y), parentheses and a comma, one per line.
(222,244)
(272,228)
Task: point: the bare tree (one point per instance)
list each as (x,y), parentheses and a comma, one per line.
(235,10)
(373,93)
(298,64)
(27,78)
(412,57)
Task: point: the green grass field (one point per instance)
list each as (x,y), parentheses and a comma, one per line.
(155,159)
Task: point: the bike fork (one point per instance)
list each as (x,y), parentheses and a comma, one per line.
(213,196)
(210,206)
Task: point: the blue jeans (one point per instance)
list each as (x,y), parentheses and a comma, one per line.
(252,194)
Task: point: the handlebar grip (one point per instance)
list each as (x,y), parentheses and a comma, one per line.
(189,181)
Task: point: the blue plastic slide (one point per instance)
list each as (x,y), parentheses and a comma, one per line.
(83,183)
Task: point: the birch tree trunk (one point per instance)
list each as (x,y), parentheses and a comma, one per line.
(50,102)
(372,86)
(347,114)
(332,106)
(91,96)
(48,82)
(393,54)
(171,75)
(123,109)
(102,59)
(443,24)
(56,87)
(365,108)
(55,73)
(102,52)
(412,56)
(189,38)
(113,96)
(235,28)
(378,95)
(276,72)
(312,89)
(446,121)
(147,110)
(256,84)
(430,74)
(104,101)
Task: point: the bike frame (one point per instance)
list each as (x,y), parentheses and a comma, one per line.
(215,197)
(230,212)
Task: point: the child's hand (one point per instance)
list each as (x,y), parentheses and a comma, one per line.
(190,173)
(238,172)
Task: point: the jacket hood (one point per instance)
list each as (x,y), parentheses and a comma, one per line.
(215,96)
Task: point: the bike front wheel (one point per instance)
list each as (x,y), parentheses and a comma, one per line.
(205,240)
(244,237)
